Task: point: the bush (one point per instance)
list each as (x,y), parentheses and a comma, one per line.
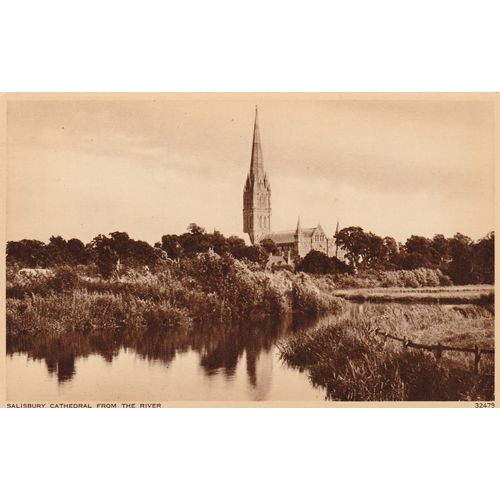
(316,263)
(64,280)
(416,278)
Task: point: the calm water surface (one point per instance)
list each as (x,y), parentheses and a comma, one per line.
(213,364)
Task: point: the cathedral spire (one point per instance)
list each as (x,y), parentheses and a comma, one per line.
(256,193)
(257,164)
(299,228)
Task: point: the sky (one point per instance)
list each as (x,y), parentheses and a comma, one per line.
(150,166)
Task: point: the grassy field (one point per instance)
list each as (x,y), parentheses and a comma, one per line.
(455,325)
(467,294)
(353,364)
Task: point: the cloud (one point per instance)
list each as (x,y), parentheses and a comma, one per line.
(151,167)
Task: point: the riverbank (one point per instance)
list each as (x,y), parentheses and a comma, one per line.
(70,312)
(191,291)
(467,294)
(353,364)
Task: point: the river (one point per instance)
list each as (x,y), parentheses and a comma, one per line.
(216,363)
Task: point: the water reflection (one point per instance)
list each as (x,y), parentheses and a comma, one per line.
(220,349)
(63,367)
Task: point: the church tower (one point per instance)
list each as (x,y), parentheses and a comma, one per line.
(257,194)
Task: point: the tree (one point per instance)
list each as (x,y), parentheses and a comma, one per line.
(390,253)
(483,259)
(193,228)
(141,253)
(316,263)
(218,243)
(461,259)
(77,251)
(441,246)
(255,253)
(132,253)
(374,252)
(423,247)
(27,253)
(362,249)
(104,255)
(106,261)
(354,241)
(121,243)
(170,243)
(339,267)
(414,260)
(269,246)
(195,240)
(236,247)
(57,251)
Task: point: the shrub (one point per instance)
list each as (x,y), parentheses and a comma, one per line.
(65,279)
(416,278)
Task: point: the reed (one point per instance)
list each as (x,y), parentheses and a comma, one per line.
(482,295)
(352,364)
(205,288)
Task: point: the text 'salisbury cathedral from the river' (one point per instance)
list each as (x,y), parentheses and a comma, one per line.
(257,213)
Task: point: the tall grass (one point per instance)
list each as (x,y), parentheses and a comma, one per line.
(352,364)
(205,288)
(459,326)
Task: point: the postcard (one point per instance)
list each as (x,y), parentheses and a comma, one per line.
(233,249)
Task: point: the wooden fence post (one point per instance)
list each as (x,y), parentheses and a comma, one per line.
(439,351)
(477,359)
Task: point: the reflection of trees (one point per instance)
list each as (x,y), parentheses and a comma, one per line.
(63,366)
(51,365)
(225,345)
(66,367)
(224,354)
(219,346)
(252,357)
(60,352)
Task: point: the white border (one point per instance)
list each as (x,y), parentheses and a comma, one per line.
(251,46)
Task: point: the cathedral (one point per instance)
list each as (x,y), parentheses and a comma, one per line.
(293,243)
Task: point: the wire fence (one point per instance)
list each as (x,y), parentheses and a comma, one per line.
(438,349)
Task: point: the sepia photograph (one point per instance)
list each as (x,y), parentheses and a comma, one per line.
(268,228)
(263,249)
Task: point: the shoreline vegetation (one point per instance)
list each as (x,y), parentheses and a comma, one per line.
(185,293)
(66,296)
(352,364)
(448,295)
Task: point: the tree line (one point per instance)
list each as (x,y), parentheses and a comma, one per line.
(461,258)
(118,249)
